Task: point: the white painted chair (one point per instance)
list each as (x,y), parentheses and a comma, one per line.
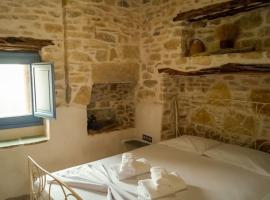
(38,183)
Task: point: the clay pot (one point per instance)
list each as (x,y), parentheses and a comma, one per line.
(196,46)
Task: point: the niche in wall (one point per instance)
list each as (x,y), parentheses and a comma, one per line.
(111,107)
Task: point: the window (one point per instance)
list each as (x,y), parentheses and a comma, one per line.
(27,90)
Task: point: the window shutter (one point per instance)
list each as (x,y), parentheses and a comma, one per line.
(43,92)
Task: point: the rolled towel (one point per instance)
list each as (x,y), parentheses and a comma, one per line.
(161,184)
(130,167)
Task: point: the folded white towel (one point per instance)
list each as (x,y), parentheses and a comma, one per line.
(130,167)
(159,175)
(160,185)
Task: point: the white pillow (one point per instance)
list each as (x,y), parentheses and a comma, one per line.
(191,143)
(253,160)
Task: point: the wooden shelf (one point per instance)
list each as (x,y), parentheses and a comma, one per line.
(228,8)
(22,44)
(223,69)
(225,51)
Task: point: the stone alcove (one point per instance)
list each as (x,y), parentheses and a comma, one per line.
(112,102)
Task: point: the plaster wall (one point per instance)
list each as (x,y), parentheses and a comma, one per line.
(69,145)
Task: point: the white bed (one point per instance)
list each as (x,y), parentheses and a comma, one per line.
(207,178)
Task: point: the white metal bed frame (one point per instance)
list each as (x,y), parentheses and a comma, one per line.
(38,182)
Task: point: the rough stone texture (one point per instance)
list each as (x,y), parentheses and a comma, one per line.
(115,73)
(41,21)
(150,83)
(268,17)
(232,107)
(105,35)
(131,52)
(202,60)
(172,44)
(250,21)
(202,117)
(82,96)
(252,25)
(141,34)
(164,44)
(239,124)
(219,91)
(118,98)
(262,96)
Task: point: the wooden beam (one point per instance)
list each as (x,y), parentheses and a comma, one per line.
(224,9)
(223,69)
(22,44)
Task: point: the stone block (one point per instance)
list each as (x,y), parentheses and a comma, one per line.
(172,44)
(83,96)
(53,28)
(101,55)
(79,79)
(150,83)
(251,43)
(237,123)
(201,60)
(219,91)
(73,14)
(4,9)
(181,61)
(59,75)
(144,93)
(106,37)
(110,2)
(155,57)
(252,55)
(202,117)
(260,95)
(250,21)
(261,99)
(146,76)
(115,72)
(263,32)
(78,56)
(113,54)
(130,52)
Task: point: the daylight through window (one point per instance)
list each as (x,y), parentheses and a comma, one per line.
(15,90)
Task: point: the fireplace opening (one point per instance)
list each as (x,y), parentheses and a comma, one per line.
(111,108)
(101,120)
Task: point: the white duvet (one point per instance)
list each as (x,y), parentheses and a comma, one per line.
(207,179)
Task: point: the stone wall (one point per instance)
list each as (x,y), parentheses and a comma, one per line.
(254,30)
(230,107)
(162,45)
(119,99)
(85,33)
(99,33)
(163,42)
(40,20)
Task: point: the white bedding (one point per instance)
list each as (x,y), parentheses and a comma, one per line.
(207,179)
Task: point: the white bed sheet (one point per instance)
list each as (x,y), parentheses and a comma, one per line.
(207,179)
